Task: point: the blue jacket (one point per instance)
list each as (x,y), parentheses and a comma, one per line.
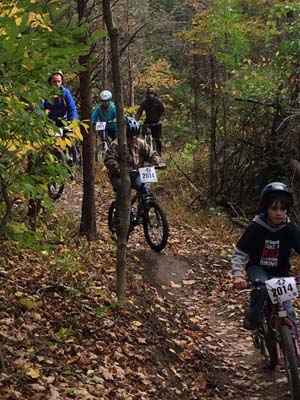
(61,107)
(108,115)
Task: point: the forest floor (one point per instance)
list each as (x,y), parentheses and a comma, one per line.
(178,336)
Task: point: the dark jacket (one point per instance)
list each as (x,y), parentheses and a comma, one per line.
(266,247)
(154,109)
(139,153)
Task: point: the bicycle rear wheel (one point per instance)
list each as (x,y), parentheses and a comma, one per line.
(155,224)
(290,361)
(111,217)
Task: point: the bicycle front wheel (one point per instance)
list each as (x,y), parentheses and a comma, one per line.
(101,151)
(55,191)
(267,344)
(155,224)
(290,361)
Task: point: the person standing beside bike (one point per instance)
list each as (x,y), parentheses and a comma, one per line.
(62,106)
(106,112)
(264,249)
(139,153)
(155,114)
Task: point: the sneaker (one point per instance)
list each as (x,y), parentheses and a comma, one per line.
(249,325)
(116,222)
(139,219)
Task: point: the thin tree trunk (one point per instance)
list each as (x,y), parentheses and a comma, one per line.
(105,60)
(196,89)
(88,210)
(125,181)
(212,151)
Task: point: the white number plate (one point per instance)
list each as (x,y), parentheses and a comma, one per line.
(100,126)
(281,289)
(148,174)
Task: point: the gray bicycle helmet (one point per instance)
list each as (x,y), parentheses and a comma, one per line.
(105,95)
(132,127)
(272,188)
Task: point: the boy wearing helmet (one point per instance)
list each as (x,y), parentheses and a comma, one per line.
(106,112)
(264,249)
(62,106)
(139,153)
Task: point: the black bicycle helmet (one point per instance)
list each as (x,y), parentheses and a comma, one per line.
(151,90)
(275,188)
(132,127)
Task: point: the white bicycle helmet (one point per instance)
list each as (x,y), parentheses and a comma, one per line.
(132,127)
(56,73)
(105,95)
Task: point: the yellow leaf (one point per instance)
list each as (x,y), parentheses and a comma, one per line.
(136,324)
(189,282)
(174,285)
(33,373)
(11,147)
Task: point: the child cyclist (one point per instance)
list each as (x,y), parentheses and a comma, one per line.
(264,249)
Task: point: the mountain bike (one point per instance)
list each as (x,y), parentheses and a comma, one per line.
(145,130)
(56,164)
(146,211)
(68,157)
(276,335)
(102,139)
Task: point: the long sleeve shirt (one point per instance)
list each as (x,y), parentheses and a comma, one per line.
(154,109)
(108,115)
(61,106)
(139,153)
(267,247)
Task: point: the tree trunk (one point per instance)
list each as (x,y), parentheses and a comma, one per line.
(196,89)
(105,60)
(88,210)
(213,140)
(125,181)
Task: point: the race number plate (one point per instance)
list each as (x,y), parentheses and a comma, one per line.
(148,174)
(100,126)
(281,289)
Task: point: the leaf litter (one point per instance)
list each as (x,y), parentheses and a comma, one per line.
(178,336)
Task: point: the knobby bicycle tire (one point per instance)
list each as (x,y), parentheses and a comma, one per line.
(268,345)
(290,361)
(101,151)
(156,227)
(111,213)
(55,191)
(111,216)
(149,140)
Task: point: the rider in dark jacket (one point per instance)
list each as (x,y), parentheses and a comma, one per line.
(155,114)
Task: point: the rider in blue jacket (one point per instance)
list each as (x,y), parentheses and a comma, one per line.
(62,106)
(106,112)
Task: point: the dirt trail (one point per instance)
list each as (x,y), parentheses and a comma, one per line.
(239,367)
(192,276)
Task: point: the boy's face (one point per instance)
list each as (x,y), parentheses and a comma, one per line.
(131,140)
(56,81)
(276,213)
